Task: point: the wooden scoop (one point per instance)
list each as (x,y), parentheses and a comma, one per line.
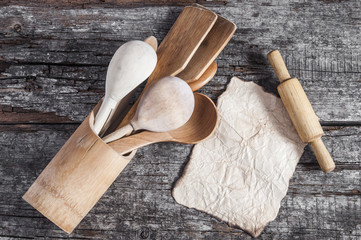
(165,105)
(204,79)
(131,64)
(201,125)
(118,112)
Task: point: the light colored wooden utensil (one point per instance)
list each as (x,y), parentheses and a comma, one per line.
(165,105)
(131,64)
(118,113)
(179,46)
(215,41)
(122,108)
(301,112)
(201,125)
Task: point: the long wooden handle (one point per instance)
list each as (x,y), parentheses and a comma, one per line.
(278,65)
(121,132)
(323,156)
(103,114)
(133,142)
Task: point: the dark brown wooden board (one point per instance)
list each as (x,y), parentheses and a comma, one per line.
(53,60)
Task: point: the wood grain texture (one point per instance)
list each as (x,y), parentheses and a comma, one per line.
(317,206)
(300,110)
(53,59)
(66,52)
(208,51)
(108,3)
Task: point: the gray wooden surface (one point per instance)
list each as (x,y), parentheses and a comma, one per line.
(53,60)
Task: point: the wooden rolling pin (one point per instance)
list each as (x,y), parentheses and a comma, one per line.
(301,112)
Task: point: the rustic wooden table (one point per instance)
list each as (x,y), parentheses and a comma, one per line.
(53,61)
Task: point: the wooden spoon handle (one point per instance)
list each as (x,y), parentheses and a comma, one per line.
(121,132)
(103,114)
(133,142)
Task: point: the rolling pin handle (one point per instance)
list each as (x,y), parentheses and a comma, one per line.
(323,156)
(278,65)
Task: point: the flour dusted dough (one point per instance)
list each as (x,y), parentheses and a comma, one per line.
(241,173)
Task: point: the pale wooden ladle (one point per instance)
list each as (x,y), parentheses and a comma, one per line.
(165,105)
(131,64)
(201,125)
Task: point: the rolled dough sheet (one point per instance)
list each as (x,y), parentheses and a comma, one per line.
(241,173)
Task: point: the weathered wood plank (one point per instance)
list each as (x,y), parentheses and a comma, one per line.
(66,52)
(139,204)
(53,60)
(107,3)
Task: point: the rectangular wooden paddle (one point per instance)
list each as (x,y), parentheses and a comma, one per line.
(179,46)
(211,47)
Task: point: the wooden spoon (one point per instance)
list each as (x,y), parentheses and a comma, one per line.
(179,46)
(215,41)
(201,125)
(131,64)
(165,105)
(204,79)
(122,107)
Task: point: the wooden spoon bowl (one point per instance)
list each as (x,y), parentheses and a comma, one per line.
(201,125)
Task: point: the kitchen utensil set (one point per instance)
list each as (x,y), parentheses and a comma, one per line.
(86,166)
(193,59)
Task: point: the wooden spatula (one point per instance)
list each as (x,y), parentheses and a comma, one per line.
(211,47)
(182,41)
(179,46)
